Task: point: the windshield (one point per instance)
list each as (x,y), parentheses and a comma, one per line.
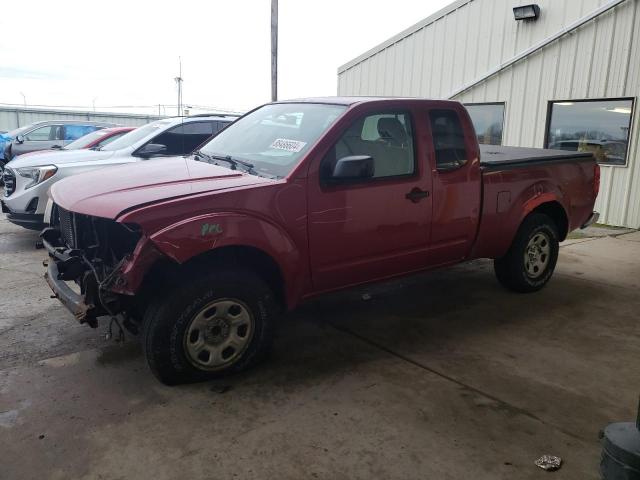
(136,135)
(82,142)
(274,137)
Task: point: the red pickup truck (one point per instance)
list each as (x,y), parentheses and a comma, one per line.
(202,253)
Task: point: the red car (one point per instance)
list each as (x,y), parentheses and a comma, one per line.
(94,140)
(202,253)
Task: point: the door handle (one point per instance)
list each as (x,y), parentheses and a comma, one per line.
(415,195)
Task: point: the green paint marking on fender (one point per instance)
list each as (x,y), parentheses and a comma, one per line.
(210,229)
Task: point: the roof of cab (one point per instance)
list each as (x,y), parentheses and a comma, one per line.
(355,99)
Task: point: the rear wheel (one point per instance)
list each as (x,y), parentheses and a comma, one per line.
(532,257)
(219,324)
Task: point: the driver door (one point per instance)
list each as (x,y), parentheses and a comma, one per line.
(371,228)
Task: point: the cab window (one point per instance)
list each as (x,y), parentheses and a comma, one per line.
(386,137)
(448,139)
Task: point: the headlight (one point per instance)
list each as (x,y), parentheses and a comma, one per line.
(37,174)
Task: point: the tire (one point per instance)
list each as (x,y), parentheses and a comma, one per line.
(230,314)
(532,257)
(2,164)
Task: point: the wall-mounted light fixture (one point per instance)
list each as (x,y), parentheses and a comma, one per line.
(526,12)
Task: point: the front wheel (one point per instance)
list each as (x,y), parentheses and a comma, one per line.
(221,323)
(532,257)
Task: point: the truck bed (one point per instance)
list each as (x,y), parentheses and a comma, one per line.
(498,157)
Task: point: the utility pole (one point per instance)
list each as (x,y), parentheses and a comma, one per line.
(24,99)
(178,80)
(94,103)
(274,50)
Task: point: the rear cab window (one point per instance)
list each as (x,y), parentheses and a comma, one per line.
(448,139)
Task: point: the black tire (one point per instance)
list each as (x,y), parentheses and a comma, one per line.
(511,270)
(168,318)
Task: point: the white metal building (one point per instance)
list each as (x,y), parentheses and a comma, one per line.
(13,117)
(568,79)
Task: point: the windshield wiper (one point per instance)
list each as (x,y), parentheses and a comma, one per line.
(234,162)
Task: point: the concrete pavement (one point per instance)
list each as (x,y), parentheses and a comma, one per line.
(443,375)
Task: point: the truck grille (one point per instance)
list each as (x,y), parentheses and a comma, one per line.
(67,226)
(9,182)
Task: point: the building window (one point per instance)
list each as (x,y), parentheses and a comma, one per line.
(598,126)
(488,121)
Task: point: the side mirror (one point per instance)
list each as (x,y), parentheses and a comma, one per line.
(354,167)
(20,138)
(151,149)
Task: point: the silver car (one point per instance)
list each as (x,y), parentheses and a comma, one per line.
(27,180)
(49,134)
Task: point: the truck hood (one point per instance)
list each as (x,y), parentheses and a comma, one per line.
(109,192)
(58,158)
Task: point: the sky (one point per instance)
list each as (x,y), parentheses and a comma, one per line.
(123,55)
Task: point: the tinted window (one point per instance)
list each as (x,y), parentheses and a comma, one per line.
(448,139)
(185,137)
(386,137)
(220,125)
(600,127)
(488,121)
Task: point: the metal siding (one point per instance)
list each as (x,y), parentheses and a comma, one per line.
(418,58)
(600,59)
(11,117)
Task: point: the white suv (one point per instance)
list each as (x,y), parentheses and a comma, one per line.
(27,180)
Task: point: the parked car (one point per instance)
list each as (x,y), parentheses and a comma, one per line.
(605,151)
(47,135)
(91,141)
(201,253)
(27,179)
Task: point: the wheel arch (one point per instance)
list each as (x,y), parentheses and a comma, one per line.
(244,256)
(557,213)
(237,239)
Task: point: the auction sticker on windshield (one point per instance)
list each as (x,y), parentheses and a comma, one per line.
(288,145)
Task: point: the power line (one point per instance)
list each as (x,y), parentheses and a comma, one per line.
(90,107)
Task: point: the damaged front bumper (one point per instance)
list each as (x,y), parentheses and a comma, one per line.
(68,297)
(67,264)
(104,289)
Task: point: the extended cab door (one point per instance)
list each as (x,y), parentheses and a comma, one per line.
(457,183)
(372,228)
